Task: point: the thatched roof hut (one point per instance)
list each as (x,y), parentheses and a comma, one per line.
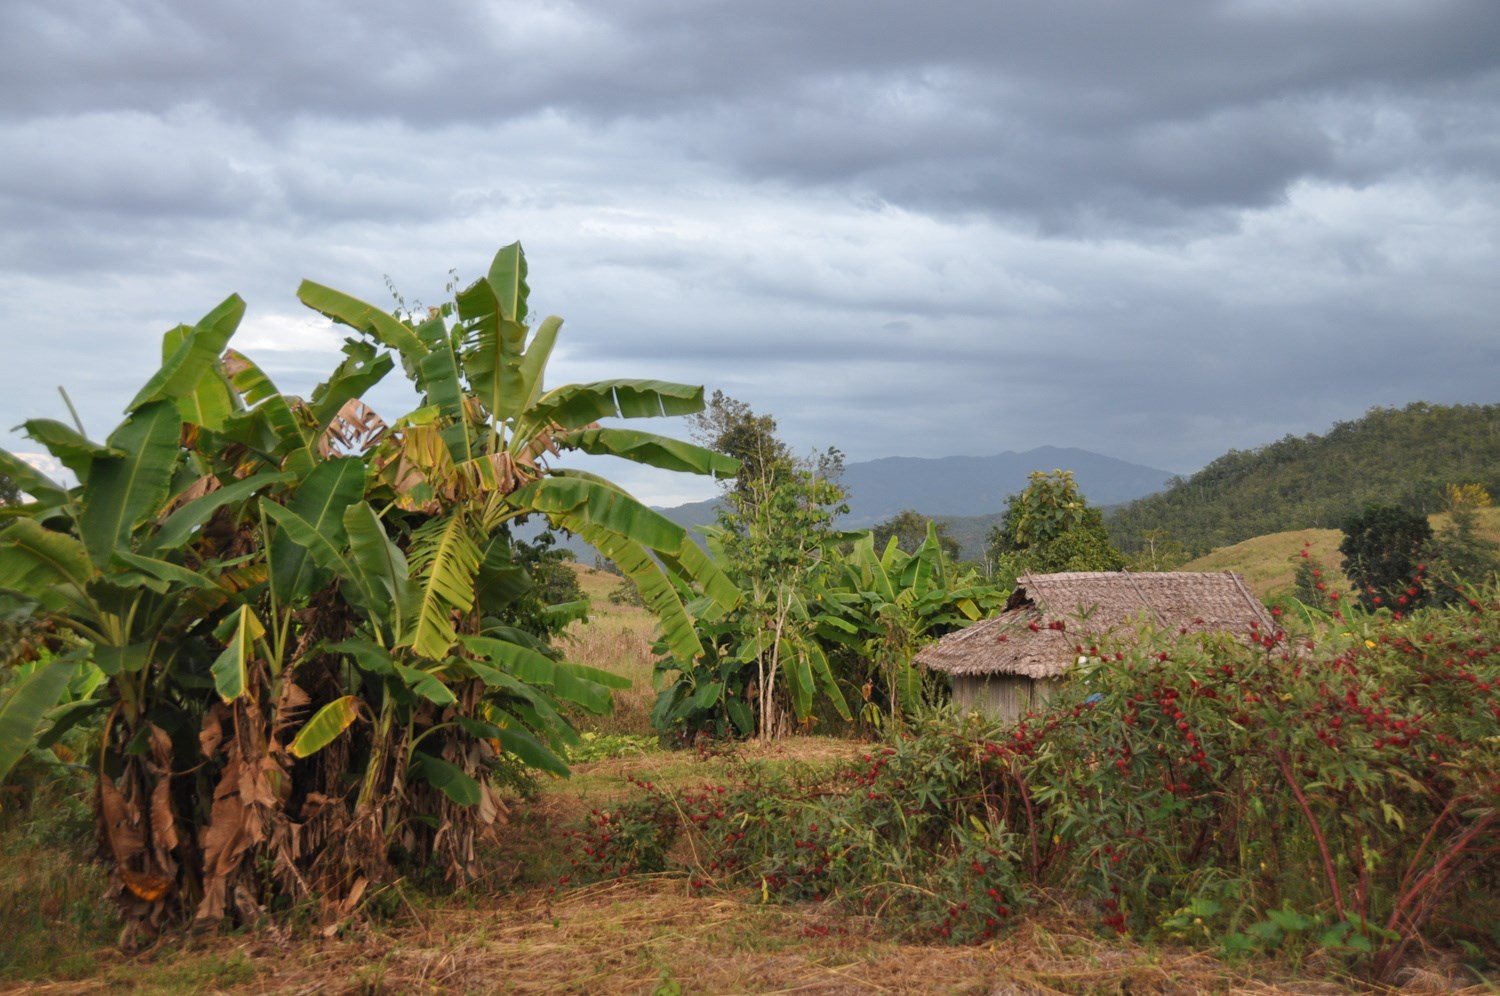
(1013,661)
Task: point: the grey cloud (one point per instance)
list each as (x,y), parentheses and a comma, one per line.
(1152,229)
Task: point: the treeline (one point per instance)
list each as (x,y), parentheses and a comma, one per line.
(1401,456)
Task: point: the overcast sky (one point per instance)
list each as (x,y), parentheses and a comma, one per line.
(1156,230)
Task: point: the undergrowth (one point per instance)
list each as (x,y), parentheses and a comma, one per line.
(1335,791)
(51,888)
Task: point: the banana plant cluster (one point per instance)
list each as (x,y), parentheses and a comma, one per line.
(307,616)
(847,633)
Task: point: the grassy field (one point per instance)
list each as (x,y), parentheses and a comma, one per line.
(1268,562)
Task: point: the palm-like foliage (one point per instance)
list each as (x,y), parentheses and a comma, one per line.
(308,616)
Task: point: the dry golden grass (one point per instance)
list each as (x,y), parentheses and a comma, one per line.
(652,935)
(1268,562)
(616,638)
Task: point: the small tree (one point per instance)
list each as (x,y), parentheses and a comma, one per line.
(1459,551)
(1383,548)
(763,665)
(1159,552)
(1050,527)
(9,493)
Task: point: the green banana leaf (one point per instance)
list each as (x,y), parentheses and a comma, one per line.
(503,372)
(269,424)
(650,449)
(444,558)
(656,590)
(180,526)
(507,280)
(493,354)
(440,377)
(448,779)
(230,670)
(164,572)
(382,569)
(195,357)
(531,751)
(574,406)
(39,486)
(125,491)
(65,443)
(47,567)
(363,367)
(368,656)
(320,502)
(828,682)
(534,363)
(366,318)
(426,684)
(325,726)
(527,665)
(212,402)
(25,704)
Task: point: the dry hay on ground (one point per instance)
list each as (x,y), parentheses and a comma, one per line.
(637,935)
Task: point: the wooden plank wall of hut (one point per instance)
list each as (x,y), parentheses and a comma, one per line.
(1005,696)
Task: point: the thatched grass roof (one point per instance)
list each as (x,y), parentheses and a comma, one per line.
(1050,615)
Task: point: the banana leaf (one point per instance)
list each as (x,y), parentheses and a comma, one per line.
(574,406)
(366,318)
(25,704)
(319,503)
(39,486)
(65,443)
(448,779)
(444,560)
(194,358)
(125,491)
(325,726)
(364,366)
(46,567)
(285,439)
(650,449)
(230,670)
(382,569)
(179,527)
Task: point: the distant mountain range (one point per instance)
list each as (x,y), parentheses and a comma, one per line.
(962,486)
(967,492)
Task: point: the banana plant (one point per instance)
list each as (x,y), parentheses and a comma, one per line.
(848,632)
(285,592)
(884,606)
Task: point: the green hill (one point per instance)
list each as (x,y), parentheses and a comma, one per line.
(1402,456)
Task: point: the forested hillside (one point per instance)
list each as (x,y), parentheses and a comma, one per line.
(1399,456)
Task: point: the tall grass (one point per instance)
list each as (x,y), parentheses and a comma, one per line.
(615,638)
(51,889)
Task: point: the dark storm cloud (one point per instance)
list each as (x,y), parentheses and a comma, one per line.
(1154,229)
(1071,115)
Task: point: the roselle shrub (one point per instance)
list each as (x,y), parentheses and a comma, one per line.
(1348,775)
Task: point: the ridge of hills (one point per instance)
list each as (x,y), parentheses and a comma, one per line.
(1395,456)
(1403,456)
(962,487)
